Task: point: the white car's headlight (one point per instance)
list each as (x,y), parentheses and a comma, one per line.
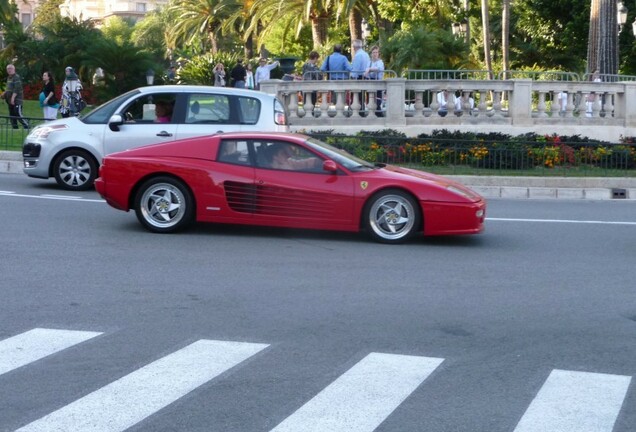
(44,131)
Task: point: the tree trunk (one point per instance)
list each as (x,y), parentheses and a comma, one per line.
(486,26)
(319,28)
(505,36)
(355,24)
(602,44)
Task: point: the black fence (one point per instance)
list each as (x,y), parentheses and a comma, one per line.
(12,138)
(550,157)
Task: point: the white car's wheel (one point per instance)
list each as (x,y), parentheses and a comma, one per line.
(75,170)
(164,205)
(392,216)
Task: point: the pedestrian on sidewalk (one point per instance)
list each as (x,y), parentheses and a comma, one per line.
(14,95)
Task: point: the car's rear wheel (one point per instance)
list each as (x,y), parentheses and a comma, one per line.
(164,205)
(75,170)
(392,216)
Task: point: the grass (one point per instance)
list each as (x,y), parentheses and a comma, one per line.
(12,139)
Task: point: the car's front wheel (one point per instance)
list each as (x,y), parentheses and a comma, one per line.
(164,205)
(75,170)
(392,216)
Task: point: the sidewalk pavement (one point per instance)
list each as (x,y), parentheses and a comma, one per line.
(593,188)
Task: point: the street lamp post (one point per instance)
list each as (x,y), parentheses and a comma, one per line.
(621,15)
(150,77)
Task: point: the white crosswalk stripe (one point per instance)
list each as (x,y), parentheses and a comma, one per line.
(36,344)
(359,400)
(129,400)
(576,401)
(362,397)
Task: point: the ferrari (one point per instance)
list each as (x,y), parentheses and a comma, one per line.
(283,180)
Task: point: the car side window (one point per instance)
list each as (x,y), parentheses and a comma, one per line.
(155,108)
(249,110)
(208,108)
(280,155)
(234,152)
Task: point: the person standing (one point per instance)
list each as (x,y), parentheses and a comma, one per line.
(263,71)
(311,72)
(238,74)
(336,65)
(375,71)
(72,102)
(249,79)
(48,101)
(13,95)
(219,75)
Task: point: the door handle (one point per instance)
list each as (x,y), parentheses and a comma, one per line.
(164,134)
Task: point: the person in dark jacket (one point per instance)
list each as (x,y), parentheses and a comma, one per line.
(13,95)
(238,74)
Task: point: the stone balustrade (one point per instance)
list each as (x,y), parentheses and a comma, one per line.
(514,106)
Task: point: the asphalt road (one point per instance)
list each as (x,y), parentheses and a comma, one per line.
(530,326)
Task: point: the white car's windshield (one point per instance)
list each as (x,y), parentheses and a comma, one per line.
(104,112)
(340,156)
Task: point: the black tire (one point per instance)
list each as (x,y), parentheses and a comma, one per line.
(164,205)
(392,216)
(75,170)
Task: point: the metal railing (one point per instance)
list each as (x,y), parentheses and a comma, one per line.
(482,156)
(539,75)
(12,139)
(441,74)
(610,77)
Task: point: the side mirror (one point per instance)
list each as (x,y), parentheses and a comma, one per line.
(115,121)
(330,166)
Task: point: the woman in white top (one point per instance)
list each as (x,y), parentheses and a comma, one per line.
(375,71)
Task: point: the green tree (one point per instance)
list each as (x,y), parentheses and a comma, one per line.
(319,14)
(124,66)
(419,48)
(150,34)
(197,22)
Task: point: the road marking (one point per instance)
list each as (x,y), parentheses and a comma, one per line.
(576,401)
(361,398)
(127,401)
(60,196)
(35,344)
(561,221)
(52,197)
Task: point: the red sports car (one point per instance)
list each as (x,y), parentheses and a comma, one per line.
(283,180)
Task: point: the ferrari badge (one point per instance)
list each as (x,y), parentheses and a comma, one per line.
(364,185)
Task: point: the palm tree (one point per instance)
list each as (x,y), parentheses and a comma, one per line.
(505,35)
(602,45)
(194,18)
(485,13)
(296,14)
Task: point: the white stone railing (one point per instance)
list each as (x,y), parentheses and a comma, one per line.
(516,104)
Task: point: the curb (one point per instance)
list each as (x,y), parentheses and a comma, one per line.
(10,162)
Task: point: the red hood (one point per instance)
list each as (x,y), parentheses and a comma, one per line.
(434,179)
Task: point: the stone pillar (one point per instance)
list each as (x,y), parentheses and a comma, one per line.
(395,115)
(520,107)
(623,107)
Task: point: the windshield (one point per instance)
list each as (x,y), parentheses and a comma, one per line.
(104,112)
(339,156)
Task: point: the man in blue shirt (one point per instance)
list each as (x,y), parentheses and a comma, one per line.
(360,61)
(359,65)
(336,65)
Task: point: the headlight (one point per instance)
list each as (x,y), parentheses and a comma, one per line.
(461,192)
(44,131)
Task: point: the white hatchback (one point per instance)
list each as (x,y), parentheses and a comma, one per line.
(71,149)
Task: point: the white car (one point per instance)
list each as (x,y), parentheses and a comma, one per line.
(71,149)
